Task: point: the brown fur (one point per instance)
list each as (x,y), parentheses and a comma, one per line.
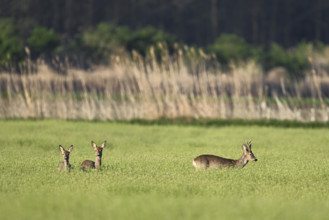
(211,161)
(89,164)
(65,165)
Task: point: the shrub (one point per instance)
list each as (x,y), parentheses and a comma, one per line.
(143,39)
(107,39)
(43,41)
(11,48)
(104,40)
(230,47)
(294,60)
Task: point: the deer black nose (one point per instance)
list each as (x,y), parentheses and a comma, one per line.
(256,159)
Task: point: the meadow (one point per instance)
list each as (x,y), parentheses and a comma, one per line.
(147,172)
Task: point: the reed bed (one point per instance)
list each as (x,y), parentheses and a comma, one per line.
(175,86)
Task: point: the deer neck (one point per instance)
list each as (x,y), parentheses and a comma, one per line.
(98,161)
(66,163)
(241,162)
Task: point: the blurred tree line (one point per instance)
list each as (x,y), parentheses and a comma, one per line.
(232,29)
(260,22)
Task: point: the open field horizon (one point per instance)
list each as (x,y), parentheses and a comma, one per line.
(147,172)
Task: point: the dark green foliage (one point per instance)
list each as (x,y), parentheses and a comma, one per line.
(230,47)
(43,40)
(194,22)
(295,61)
(142,39)
(107,39)
(11,48)
(104,40)
(99,43)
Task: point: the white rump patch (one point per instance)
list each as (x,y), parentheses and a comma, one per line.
(194,163)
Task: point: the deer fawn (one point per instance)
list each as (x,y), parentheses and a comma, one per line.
(65,165)
(88,164)
(212,161)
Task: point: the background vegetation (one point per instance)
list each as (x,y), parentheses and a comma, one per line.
(89,34)
(187,84)
(259,22)
(266,61)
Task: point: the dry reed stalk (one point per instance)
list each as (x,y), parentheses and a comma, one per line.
(146,88)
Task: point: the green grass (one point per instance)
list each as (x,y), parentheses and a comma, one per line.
(230,122)
(148,174)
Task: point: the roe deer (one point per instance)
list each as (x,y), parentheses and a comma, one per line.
(66,156)
(212,161)
(88,164)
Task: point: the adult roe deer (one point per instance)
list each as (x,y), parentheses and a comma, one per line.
(88,164)
(212,161)
(65,165)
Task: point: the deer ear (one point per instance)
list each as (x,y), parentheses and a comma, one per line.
(249,144)
(104,144)
(93,144)
(62,150)
(245,148)
(70,149)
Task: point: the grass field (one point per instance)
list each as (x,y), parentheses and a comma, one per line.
(148,174)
